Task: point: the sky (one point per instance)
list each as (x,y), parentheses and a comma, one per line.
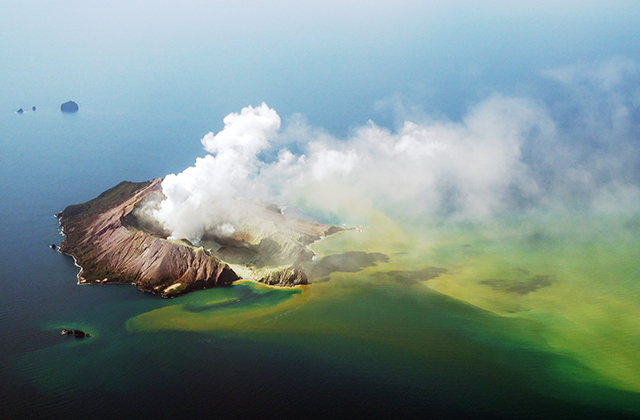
(339,63)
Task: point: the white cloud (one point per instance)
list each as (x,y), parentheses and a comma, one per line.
(507,154)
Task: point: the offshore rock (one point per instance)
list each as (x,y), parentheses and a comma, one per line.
(69,107)
(280,276)
(109,251)
(288,277)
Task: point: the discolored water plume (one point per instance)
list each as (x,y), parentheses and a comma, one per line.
(349,262)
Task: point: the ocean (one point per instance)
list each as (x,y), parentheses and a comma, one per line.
(367,344)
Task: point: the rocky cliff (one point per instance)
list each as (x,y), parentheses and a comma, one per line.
(110,252)
(112,244)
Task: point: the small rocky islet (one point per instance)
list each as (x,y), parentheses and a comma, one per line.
(74,333)
(69,107)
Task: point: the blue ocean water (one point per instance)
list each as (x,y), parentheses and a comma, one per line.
(50,160)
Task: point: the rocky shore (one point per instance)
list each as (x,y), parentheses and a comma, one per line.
(111,245)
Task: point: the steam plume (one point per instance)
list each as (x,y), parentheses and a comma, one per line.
(579,150)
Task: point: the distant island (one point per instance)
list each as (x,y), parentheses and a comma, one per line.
(69,106)
(112,242)
(21,111)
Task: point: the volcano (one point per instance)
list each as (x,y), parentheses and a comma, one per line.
(112,242)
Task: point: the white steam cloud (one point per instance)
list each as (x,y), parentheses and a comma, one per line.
(201,198)
(578,149)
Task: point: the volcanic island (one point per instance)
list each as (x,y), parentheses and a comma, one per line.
(112,241)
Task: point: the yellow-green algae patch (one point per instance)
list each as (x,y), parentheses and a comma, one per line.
(247,305)
(588,272)
(568,286)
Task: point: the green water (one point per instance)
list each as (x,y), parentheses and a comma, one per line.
(505,313)
(530,317)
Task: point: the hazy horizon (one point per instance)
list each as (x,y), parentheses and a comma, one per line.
(337,63)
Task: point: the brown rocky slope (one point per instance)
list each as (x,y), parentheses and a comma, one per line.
(110,249)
